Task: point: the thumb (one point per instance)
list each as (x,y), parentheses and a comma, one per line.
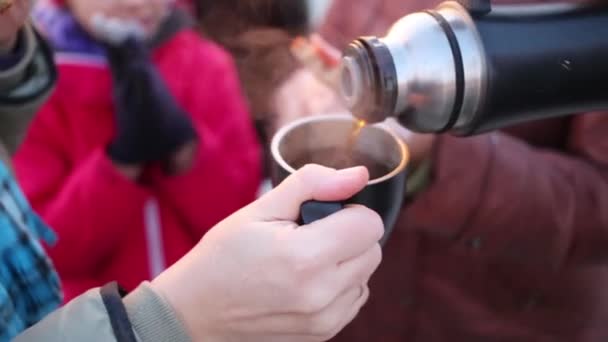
(312,182)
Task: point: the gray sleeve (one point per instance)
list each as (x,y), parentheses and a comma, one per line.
(24,88)
(152,317)
(85,319)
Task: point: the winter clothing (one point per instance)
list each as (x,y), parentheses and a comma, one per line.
(150,125)
(9,59)
(28,285)
(508,243)
(26,79)
(86,319)
(120,229)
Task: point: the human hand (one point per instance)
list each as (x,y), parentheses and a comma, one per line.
(258,276)
(13,15)
(311,90)
(302,95)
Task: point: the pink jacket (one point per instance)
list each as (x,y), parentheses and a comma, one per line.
(109,227)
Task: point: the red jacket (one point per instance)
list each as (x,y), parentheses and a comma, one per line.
(109,227)
(509,243)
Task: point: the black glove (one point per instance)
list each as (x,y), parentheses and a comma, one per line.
(151,126)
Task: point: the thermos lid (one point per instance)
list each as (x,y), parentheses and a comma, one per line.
(369,80)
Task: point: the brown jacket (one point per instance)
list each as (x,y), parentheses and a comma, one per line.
(509,242)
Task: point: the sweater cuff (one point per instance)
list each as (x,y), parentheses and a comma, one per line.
(152,318)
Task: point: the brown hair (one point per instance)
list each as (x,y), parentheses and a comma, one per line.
(253,31)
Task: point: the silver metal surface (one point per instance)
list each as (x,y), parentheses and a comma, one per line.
(473,59)
(425,67)
(425,71)
(351,87)
(335,131)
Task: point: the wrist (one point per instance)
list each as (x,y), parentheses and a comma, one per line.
(152,317)
(184,309)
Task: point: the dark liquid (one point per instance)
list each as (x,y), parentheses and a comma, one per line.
(343,158)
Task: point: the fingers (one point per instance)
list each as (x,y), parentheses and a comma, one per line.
(358,270)
(312,182)
(354,311)
(319,279)
(331,282)
(342,236)
(319,325)
(331,320)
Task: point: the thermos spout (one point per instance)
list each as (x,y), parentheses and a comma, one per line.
(467,71)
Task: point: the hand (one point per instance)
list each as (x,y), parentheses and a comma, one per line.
(12,18)
(311,90)
(302,95)
(258,277)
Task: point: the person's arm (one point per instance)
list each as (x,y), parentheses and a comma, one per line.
(314,280)
(27,77)
(225,172)
(510,201)
(86,319)
(89,203)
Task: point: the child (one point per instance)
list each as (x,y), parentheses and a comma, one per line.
(137,154)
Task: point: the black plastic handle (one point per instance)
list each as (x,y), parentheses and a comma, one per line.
(312,211)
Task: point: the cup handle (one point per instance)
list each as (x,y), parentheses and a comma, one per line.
(311,211)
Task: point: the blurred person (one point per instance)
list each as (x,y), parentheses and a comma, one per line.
(145,144)
(323,48)
(259,38)
(504,235)
(256,276)
(315,279)
(29,288)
